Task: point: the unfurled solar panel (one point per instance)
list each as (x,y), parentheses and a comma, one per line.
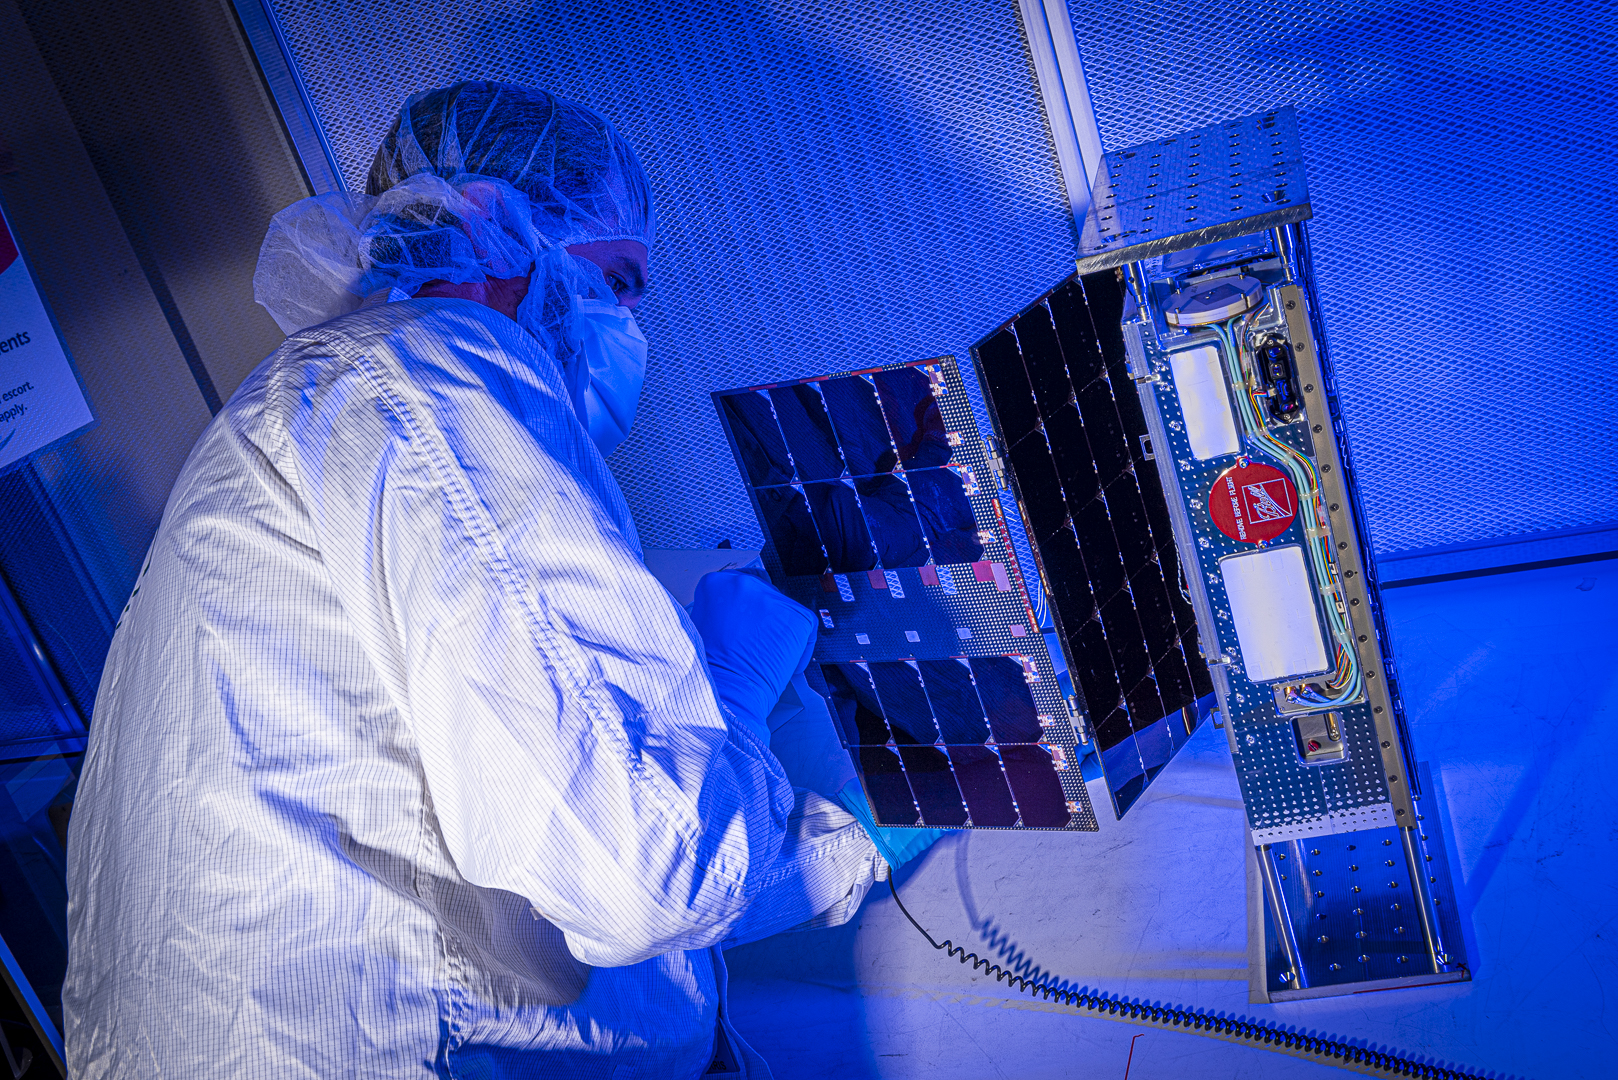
(1076,451)
(870,490)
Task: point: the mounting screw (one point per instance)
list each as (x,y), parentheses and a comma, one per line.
(1399,813)
(1364,959)
(1291,304)
(1339,967)
(1309,388)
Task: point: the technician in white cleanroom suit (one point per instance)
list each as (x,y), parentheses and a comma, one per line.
(402,764)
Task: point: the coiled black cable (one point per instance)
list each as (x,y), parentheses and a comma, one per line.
(1266,1035)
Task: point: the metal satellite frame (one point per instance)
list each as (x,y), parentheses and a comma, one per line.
(1194,271)
(1167,422)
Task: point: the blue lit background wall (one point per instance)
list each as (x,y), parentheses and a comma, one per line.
(1460,165)
(849,184)
(838,185)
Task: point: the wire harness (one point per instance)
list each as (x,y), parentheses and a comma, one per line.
(1196,1021)
(1346,681)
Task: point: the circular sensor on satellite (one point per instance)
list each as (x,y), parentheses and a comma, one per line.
(1213,301)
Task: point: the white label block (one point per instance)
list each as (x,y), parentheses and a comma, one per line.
(1199,379)
(40,399)
(1272,605)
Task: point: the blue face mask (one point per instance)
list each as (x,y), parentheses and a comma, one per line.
(608,371)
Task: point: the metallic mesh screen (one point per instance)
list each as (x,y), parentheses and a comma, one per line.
(839,185)
(1459,161)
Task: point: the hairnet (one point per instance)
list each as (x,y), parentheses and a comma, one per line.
(479,180)
(582,179)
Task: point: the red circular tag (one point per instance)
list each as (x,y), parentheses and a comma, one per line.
(1253,503)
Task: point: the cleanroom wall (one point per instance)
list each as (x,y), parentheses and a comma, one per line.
(845,185)
(837,185)
(1458,165)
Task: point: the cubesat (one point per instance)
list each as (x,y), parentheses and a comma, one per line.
(1167,423)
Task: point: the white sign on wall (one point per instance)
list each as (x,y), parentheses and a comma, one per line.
(41,400)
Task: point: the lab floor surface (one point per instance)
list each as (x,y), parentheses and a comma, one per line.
(1512,692)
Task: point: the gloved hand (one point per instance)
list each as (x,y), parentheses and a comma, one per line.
(805,741)
(756,640)
(896,846)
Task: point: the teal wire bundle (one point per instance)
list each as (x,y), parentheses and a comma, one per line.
(1346,681)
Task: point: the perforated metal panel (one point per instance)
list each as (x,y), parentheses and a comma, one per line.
(839,185)
(1458,160)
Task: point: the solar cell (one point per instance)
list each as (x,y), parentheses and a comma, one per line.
(1003,690)
(854,703)
(841,527)
(946,515)
(1070,450)
(1033,782)
(883,774)
(1125,642)
(1037,484)
(1069,581)
(1081,347)
(1094,669)
(914,418)
(1042,357)
(1173,676)
(1005,383)
(891,514)
(1102,559)
(759,445)
(1128,513)
(983,786)
(904,703)
(1105,431)
(933,783)
(955,700)
(801,415)
(1151,598)
(856,416)
(1145,704)
(785,514)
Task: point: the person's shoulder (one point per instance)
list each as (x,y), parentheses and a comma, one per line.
(405,323)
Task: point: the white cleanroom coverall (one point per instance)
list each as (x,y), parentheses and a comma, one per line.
(402,764)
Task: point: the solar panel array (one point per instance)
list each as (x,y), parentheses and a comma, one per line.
(930,658)
(1078,455)
(946,743)
(853,474)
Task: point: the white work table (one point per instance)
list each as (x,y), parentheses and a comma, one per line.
(1512,689)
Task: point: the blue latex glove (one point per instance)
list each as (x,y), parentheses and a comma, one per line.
(756,640)
(896,846)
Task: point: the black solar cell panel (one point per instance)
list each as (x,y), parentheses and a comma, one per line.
(1074,432)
